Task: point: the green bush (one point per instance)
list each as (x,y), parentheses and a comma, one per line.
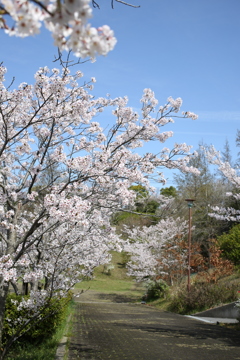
(202,296)
(41,328)
(156,289)
(230,244)
(125,258)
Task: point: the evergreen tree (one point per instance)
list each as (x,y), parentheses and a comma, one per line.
(226,153)
(238,145)
(169,191)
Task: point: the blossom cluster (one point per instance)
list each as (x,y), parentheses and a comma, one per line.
(232,175)
(7,271)
(66,20)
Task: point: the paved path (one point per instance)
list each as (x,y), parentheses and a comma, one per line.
(120,331)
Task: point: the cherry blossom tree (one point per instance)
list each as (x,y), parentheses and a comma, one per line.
(232,175)
(54,232)
(149,260)
(62,174)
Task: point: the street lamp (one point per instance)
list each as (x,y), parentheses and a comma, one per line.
(190,205)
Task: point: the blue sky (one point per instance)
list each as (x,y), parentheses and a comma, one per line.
(188,49)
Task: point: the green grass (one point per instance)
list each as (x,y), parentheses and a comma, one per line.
(161,304)
(107,285)
(232,279)
(117,281)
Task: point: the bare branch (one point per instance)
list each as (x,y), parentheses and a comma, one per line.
(42,6)
(95,4)
(125,3)
(65,64)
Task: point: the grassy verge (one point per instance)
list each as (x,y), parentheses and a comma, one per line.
(113,281)
(111,286)
(45,349)
(235,327)
(161,304)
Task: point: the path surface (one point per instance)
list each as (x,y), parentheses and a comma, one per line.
(104,330)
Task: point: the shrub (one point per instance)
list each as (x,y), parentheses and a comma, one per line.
(215,267)
(230,244)
(43,327)
(125,258)
(156,289)
(202,296)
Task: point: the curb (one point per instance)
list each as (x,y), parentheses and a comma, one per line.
(61,349)
(62,346)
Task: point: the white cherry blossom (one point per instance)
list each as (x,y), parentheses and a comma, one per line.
(66,20)
(63,175)
(221,213)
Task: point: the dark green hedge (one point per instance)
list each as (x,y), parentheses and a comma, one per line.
(44,326)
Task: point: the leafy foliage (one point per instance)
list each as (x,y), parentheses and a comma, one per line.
(230,244)
(213,267)
(202,296)
(43,327)
(156,289)
(169,191)
(144,203)
(141,190)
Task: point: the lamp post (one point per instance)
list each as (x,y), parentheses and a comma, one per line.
(190,205)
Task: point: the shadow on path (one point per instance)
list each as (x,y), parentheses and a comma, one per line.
(117,298)
(118,331)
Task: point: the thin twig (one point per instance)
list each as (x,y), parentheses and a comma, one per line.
(125,3)
(42,6)
(13,79)
(95,4)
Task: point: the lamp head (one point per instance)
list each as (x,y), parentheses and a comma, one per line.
(190,202)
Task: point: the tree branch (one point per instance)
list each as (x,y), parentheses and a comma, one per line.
(125,3)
